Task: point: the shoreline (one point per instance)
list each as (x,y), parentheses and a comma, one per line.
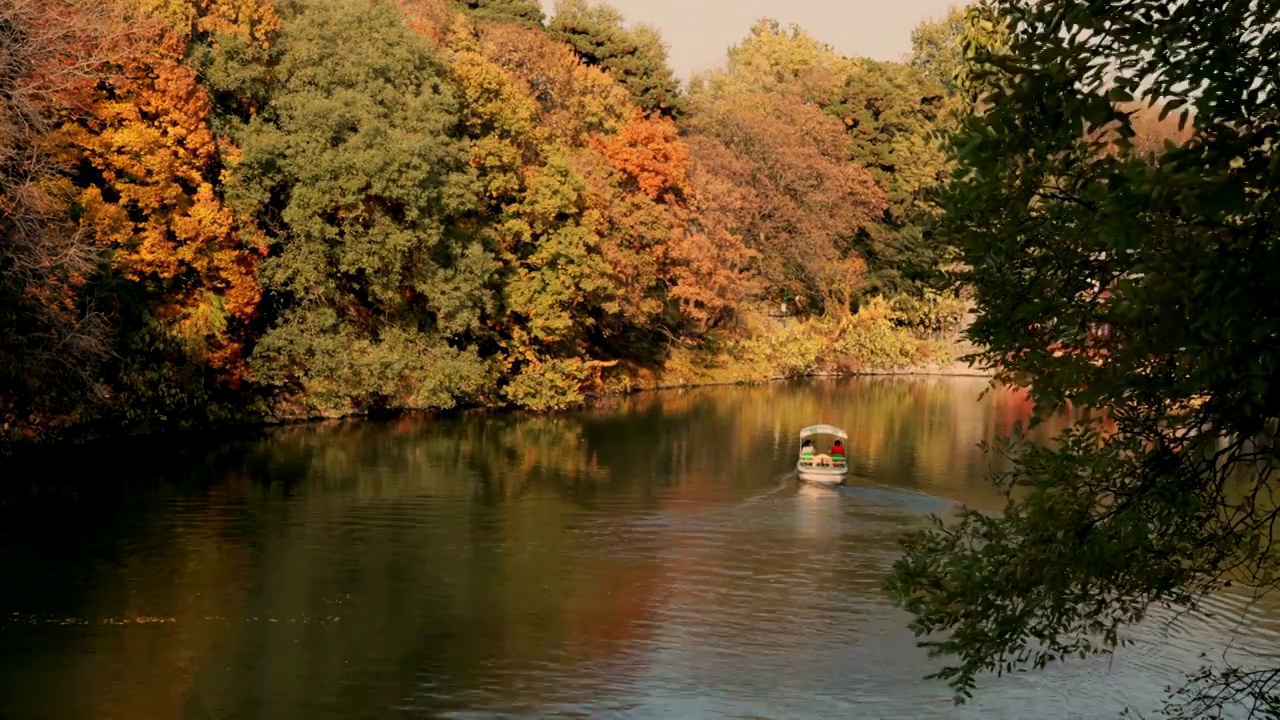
(231,429)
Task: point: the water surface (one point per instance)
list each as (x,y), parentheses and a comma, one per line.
(651,558)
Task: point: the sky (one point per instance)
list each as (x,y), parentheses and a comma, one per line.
(699,32)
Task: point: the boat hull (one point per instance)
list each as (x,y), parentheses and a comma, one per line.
(822,475)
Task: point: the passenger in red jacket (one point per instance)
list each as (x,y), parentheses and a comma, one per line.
(837,454)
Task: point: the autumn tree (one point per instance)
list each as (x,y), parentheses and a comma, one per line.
(149,166)
(777,59)
(635,57)
(354,169)
(229,45)
(498,116)
(574,100)
(809,202)
(891,114)
(559,289)
(530,107)
(50,338)
(213,208)
(722,207)
(672,266)
(592,214)
(1175,253)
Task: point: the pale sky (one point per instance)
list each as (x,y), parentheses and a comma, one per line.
(699,32)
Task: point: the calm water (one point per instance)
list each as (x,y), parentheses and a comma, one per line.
(651,559)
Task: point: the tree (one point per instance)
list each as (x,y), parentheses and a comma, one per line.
(354,168)
(774,59)
(531,107)
(636,57)
(149,166)
(573,99)
(948,49)
(1065,237)
(559,289)
(894,118)
(809,202)
(936,51)
(522,12)
(719,278)
(50,338)
(891,114)
(254,20)
(228,44)
(662,249)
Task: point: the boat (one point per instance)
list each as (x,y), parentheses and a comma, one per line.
(821,469)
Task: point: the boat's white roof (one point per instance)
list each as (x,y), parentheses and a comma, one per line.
(824,430)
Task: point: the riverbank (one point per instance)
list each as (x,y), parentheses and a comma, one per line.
(220,432)
(870,342)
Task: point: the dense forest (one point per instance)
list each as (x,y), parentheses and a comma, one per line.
(225,210)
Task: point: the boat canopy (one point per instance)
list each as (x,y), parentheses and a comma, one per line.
(824,430)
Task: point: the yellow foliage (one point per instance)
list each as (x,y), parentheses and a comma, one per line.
(254,21)
(573,99)
(152,201)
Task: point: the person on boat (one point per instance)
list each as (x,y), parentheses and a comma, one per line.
(806,452)
(837,454)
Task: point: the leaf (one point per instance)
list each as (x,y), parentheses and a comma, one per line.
(1119,94)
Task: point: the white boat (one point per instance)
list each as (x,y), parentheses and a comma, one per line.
(820,468)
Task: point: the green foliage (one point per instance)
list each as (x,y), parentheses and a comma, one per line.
(1125,283)
(340,367)
(933,314)
(868,340)
(936,49)
(894,117)
(984,36)
(524,12)
(220,210)
(773,59)
(635,57)
(354,168)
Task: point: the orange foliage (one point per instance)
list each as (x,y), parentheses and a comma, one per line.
(152,198)
(804,200)
(842,280)
(650,152)
(711,259)
(683,238)
(432,18)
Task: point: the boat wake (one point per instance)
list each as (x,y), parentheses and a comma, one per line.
(783,482)
(901,497)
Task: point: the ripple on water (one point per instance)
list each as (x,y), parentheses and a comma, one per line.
(658,561)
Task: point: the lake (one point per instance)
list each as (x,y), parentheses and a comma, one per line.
(650,557)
